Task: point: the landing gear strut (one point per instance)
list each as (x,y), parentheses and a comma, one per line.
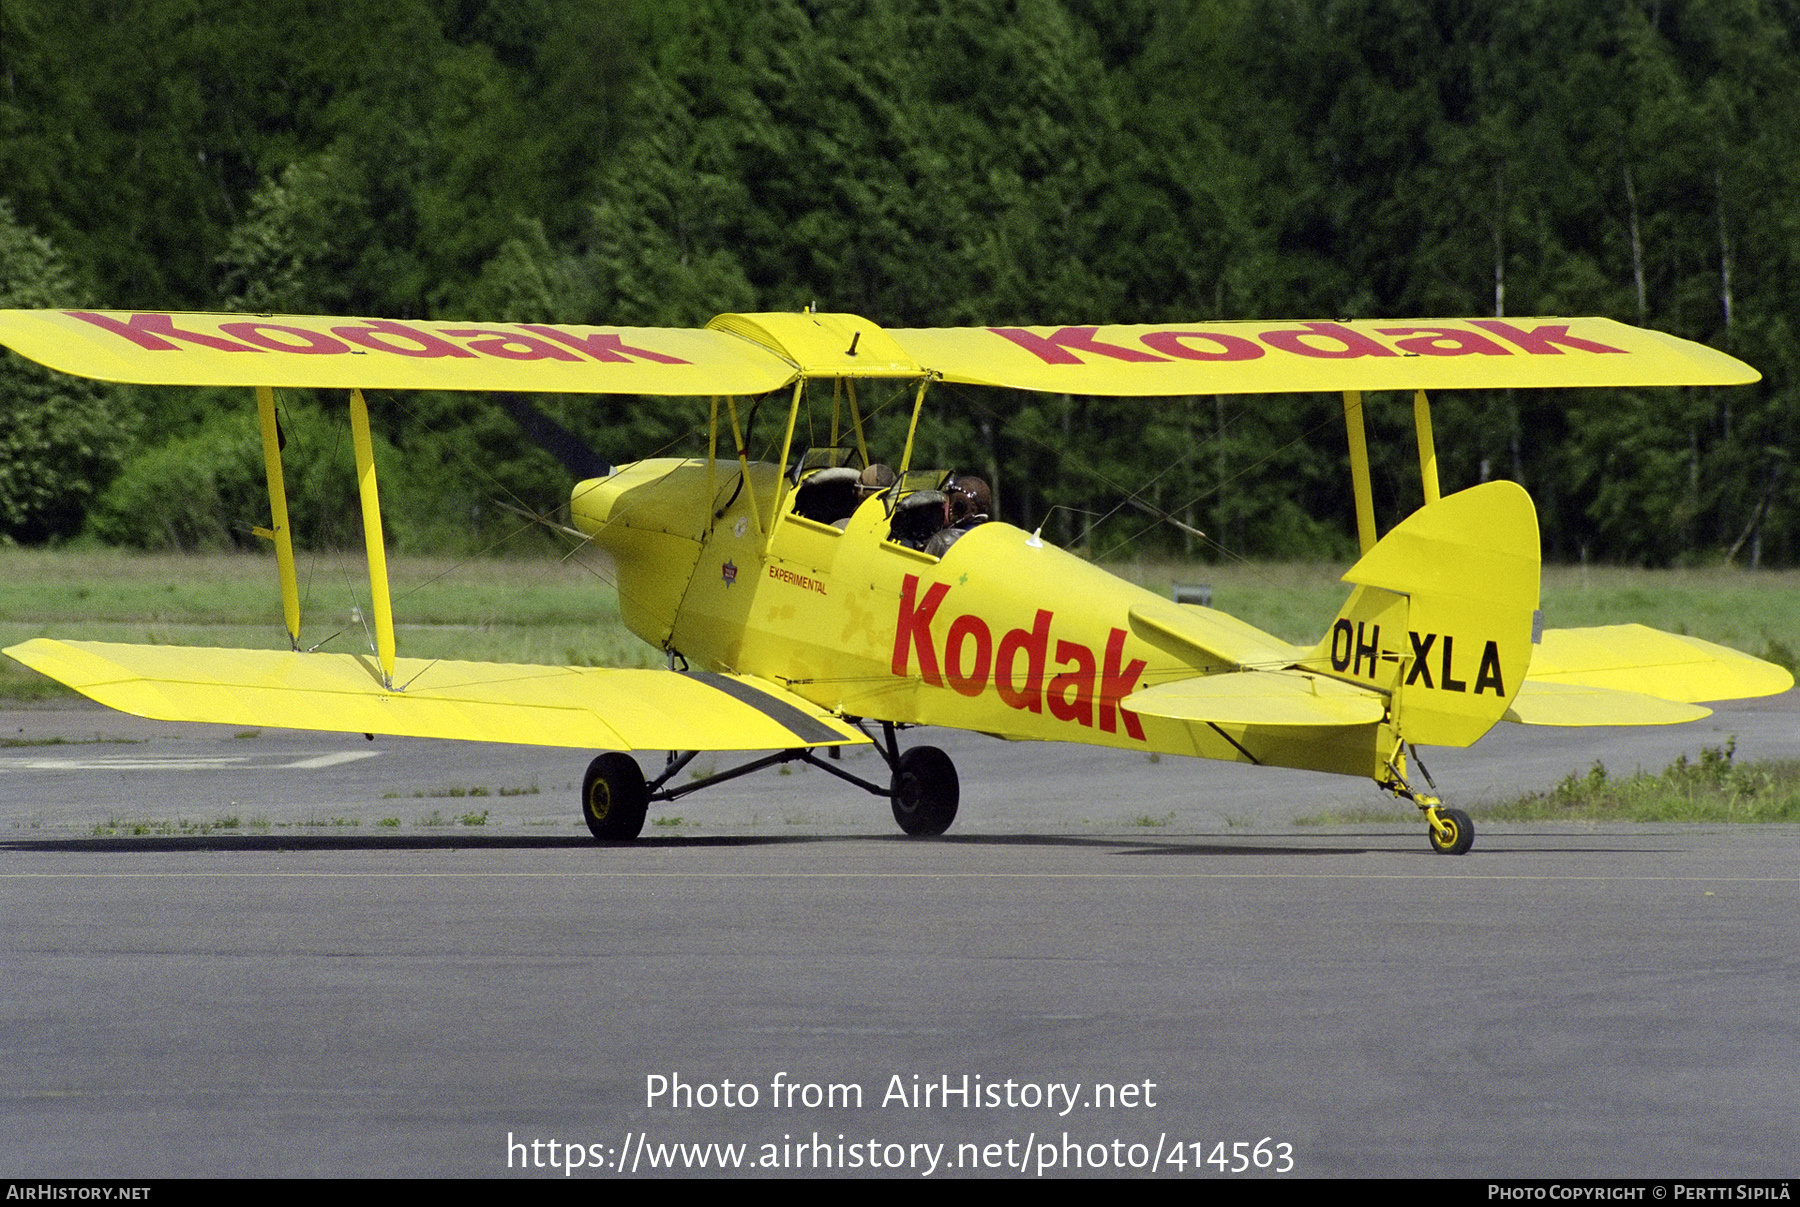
(1450,831)
(923,787)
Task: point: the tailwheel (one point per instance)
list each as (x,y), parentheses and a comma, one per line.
(1450,831)
(614,798)
(925,791)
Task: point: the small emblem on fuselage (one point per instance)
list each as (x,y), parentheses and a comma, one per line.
(728,572)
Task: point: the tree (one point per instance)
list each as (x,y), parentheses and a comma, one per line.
(61,438)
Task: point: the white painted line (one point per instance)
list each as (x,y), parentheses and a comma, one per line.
(176,762)
(330,760)
(137,762)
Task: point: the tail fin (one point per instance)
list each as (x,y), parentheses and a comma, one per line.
(1442,615)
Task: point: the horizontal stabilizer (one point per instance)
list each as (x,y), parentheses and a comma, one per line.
(1633,658)
(1205,637)
(1285,698)
(584,708)
(1540,703)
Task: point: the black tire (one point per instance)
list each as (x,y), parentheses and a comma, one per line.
(614,798)
(925,791)
(1460,841)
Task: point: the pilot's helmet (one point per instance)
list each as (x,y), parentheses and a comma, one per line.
(874,479)
(969,498)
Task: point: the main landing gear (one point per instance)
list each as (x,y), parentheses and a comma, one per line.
(925,791)
(922,788)
(614,797)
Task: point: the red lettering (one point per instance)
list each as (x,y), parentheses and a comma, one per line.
(962,629)
(1230,347)
(782,575)
(311,342)
(602,345)
(1056,349)
(1116,684)
(969,655)
(1035,645)
(1351,344)
(510,345)
(913,629)
(1443,341)
(425,344)
(1542,341)
(154,331)
(1072,692)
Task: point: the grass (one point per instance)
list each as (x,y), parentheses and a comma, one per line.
(1717,788)
(1750,610)
(543,610)
(534,610)
(117,825)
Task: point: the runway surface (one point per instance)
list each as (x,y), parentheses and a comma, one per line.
(1109,965)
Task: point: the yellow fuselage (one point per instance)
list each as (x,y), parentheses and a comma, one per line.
(1003,635)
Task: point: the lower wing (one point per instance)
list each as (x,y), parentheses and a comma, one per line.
(581,707)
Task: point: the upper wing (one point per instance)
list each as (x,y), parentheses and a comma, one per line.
(754,353)
(580,707)
(352,353)
(1270,357)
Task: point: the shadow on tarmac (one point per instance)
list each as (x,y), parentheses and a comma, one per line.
(179,843)
(1397,841)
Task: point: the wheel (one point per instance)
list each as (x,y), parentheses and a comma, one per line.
(1462,833)
(925,791)
(614,798)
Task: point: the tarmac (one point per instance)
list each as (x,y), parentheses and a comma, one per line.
(235,953)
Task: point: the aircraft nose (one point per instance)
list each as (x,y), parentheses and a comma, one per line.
(591,502)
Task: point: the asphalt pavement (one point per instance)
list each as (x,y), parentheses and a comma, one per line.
(260,953)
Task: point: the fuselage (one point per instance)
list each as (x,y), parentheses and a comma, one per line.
(1004,634)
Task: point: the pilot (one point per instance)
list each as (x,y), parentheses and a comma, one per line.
(970,501)
(874,479)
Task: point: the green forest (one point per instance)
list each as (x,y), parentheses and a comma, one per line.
(922,163)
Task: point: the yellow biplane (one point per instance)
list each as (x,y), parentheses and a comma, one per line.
(806,614)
